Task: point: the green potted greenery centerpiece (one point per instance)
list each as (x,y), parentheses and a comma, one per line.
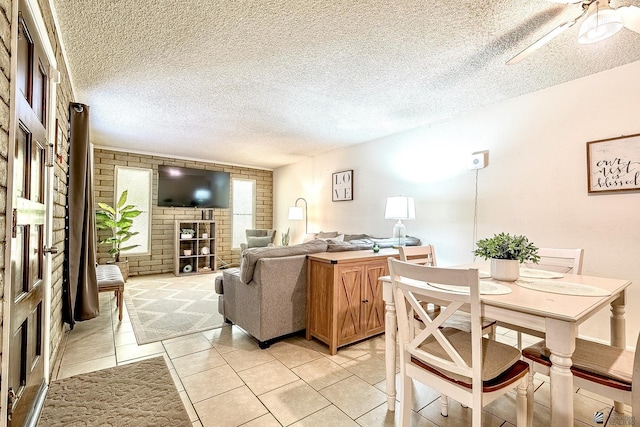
(118,219)
(506,253)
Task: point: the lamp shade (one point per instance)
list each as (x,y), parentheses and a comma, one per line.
(296,213)
(600,25)
(400,207)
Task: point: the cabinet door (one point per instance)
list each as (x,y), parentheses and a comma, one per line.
(373,305)
(349,303)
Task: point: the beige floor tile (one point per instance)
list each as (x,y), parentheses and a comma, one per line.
(196,424)
(232,408)
(89,337)
(293,402)
(422,395)
(329,416)
(125,338)
(245,359)
(293,353)
(78,353)
(192,344)
(191,412)
(227,339)
(381,417)
(135,351)
(212,382)
(321,373)
(198,362)
(458,416)
(85,367)
(267,377)
(266,420)
(122,328)
(354,396)
(176,380)
(369,368)
(344,354)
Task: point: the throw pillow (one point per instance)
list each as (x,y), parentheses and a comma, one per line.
(258,242)
(327,234)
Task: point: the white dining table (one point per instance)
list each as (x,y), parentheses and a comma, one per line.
(557,315)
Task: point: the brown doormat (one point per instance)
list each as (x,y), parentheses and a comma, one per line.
(137,394)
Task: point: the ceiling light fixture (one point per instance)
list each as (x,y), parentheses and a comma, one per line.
(599,25)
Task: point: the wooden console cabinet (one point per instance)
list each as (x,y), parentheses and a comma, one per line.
(344,296)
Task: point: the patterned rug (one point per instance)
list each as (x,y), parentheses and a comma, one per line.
(165,306)
(137,394)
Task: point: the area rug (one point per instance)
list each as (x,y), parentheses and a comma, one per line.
(165,306)
(137,394)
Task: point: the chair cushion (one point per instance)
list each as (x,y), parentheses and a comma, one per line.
(497,357)
(258,242)
(600,359)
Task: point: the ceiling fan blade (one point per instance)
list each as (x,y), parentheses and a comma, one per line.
(630,17)
(540,42)
(546,39)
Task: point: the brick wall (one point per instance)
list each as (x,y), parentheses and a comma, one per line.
(5,78)
(161,259)
(64,96)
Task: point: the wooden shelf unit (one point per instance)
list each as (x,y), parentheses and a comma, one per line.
(202,261)
(344,296)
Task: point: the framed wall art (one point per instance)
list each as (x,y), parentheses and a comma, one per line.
(614,164)
(342,186)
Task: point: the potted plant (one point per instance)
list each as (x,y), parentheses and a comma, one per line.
(187,233)
(118,219)
(285,238)
(506,252)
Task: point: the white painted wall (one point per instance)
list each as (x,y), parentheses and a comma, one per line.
(535,183)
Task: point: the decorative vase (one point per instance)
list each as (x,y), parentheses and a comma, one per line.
(507,270)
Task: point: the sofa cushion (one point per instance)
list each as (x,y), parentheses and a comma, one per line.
(258,242)
(327,234)
(252,255)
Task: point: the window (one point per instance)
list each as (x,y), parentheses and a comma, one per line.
(137,182)
(244,201)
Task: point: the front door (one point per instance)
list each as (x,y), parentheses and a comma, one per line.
(27,283)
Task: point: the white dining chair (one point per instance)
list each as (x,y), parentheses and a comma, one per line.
(558,260)
(463,365)
(426,255)
(599,368)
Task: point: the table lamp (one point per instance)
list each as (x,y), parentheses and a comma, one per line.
(400,207)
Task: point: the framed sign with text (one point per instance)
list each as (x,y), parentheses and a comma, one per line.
(614,164)
(342,186)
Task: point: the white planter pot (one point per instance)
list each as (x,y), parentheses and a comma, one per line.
(186,236)
(507,270)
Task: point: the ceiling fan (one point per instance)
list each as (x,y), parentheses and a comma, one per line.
(601,22)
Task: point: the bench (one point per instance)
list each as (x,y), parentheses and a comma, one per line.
(110,279)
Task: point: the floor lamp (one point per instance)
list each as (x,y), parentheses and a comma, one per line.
(296,213)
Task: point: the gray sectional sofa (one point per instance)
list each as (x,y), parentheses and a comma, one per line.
(267,295)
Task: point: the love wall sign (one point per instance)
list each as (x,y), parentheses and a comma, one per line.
(614,164)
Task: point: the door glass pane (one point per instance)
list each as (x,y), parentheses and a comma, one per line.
(25,60)
(19,164)
(40,93)
(18,245)
(35,255)
(38,158)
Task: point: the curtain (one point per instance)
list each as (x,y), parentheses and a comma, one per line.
(79,283)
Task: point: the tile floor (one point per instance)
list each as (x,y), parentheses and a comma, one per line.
(224,379)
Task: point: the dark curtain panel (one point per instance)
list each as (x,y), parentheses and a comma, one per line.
(79,283)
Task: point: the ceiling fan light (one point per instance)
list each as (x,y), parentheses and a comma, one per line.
(599,26)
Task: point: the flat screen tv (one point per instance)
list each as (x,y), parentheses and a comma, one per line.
(197,188)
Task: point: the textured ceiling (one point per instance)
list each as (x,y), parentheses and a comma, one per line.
(267,83)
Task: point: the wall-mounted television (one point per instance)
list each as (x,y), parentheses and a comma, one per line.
(196,188)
